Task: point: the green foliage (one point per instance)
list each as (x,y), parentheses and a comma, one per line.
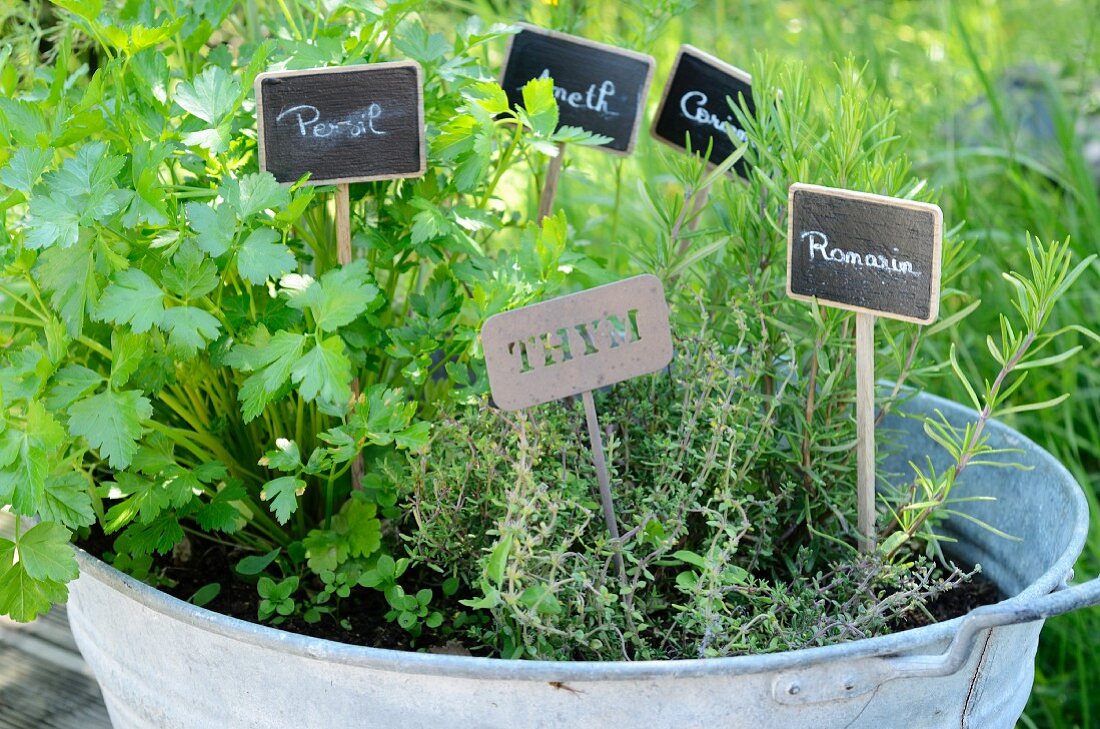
(181,345)
(918,509)
(184,356)
(34,569)
(276,598)
(703,484)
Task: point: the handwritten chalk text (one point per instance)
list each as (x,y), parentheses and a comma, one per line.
(308,119)
(819,245)
(693,107)
(594,99)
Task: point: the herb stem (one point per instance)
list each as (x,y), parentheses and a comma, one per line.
(973,440)
(502,165)
(96,347)
(26,321)
(23,302)
(329,496)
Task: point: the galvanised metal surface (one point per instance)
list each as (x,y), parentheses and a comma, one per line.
(164,663)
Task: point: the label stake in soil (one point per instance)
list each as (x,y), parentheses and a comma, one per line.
(599,88)
(343,257)
(550,185)
(342,125)
(603,478)
(573,345)
(865,429)
(876,256)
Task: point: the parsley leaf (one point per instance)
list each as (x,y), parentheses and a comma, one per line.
(127,353)
(540,107)
(25,168)
(71,383)
(215,227)
(145,500)
(262,256)
(220,513)
(81,192)
(46,554)
(22,597)
(283,493)
(66,500)
(191,274)
(69,277)
(160,536)
(338,298)
(189,328)
(111,422)
(254,193)
(28,452)
(286,457)
(210,96)
(132,298)
(270,358)
(53,220)
(324,372)
(358,522)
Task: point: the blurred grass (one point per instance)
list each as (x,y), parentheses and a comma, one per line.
(997,101)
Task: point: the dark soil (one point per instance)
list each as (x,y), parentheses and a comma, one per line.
(212,562)
(184,574)
(951,604)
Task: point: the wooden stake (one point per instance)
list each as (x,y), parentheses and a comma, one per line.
(700,201)
(550,186)
(343,257)
(865,428)
(602,476)
(677,230)
(343,224)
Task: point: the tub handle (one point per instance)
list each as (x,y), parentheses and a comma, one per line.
(829,682)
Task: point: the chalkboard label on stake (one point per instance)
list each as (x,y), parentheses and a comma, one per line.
(695,106)
(867,253)
(600,88)
(342,124)
(577,343)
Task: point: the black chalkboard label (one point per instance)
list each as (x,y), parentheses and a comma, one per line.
(599,88)
(869,253)
(343,124)
(695,107)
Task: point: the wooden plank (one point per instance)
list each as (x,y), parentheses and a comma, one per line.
(44,681)
(35,692)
